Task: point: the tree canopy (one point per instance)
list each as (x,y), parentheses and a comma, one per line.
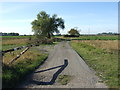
(45,25)
(73,32)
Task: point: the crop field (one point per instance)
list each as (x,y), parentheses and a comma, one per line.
(109,45)
(14,37)
(102,56)
(92,37)
(9,42)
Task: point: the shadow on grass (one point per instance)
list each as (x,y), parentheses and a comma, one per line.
(52,81)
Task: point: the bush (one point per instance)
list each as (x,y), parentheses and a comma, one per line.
(47,41)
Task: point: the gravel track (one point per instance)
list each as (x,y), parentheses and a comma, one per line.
(81,75)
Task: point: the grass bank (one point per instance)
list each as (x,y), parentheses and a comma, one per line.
(103,62)
(15,73)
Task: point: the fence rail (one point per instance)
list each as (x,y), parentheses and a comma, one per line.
(14,59)
(15,49)
(26,49)
(21,47)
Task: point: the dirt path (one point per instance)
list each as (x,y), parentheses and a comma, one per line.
(81,76)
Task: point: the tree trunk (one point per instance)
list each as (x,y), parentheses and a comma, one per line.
(49,36)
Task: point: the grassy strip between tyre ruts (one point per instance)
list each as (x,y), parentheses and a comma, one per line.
(104,63)
(15,73)
(64,79)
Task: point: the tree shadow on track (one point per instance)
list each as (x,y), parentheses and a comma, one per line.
(55,75)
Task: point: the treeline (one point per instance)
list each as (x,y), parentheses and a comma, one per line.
(9,34)
(109,33)
(71,35)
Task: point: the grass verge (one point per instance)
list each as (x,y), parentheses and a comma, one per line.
(104,63)
(15,73)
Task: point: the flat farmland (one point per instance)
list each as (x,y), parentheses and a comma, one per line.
(99,53)
(109,45)
(9,42)
(102,56)
(92,37)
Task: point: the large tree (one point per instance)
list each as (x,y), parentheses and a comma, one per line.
(45,25)
(73,31)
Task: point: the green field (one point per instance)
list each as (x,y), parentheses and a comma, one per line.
(103,62)
(9,42)
(14,37)
(92,37)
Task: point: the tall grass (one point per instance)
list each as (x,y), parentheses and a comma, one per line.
(109,45)
(15,73)
(9,43)
(103,62)
(15,37)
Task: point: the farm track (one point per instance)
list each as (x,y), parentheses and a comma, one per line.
(81,75)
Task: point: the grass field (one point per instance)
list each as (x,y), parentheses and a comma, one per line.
(102,56)
(15,37)
(92,37)
(109,45)
(15,73)
(9,42)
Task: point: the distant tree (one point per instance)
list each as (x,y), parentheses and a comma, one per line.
(108,33)
(73,32)
(45,26)
(9,34)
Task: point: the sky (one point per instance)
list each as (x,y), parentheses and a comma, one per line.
(88,17)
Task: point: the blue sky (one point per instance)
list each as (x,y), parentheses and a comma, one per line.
(89,17)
